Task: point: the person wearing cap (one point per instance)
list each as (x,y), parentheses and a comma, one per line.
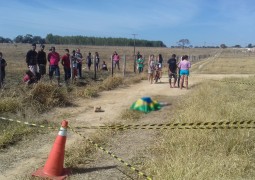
(54,58)
(31,59)
(41,61)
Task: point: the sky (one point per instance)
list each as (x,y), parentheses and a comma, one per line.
(202,22)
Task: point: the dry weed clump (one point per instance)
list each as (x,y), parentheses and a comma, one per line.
(111,83)
(46,95)
(209,154)
(89,92)
(9,104)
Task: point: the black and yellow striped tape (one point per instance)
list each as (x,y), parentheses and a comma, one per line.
(29,124)
(195,125)
(113,155)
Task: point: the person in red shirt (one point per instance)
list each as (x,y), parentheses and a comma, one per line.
(54,58)
(65,61)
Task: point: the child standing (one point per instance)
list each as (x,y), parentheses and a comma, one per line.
(140,63)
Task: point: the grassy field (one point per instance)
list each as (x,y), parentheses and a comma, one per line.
(228,62)
(211,154)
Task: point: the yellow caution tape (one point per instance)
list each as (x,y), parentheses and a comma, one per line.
(113,155)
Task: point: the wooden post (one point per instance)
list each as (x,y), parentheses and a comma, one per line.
(112,65)
(71,66)
(95,71)
(1,83)
(124,65)
(134,62)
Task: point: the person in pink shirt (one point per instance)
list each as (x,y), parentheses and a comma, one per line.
(30,78)
(184,66)
(116,60)
(54,58)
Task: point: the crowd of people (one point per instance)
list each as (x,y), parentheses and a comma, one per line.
(178,71)
(72,64)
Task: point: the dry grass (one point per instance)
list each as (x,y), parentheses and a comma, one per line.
(208,154)
(130,115)
(229,62)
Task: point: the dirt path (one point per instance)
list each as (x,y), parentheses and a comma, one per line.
(132,146)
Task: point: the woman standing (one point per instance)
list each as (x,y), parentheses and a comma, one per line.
(89,60)
(151,68)
(160,62)
(184,66)
(97,60)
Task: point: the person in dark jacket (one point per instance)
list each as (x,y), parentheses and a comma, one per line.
(3,64)
(31,59)
(41,61)
(89,60)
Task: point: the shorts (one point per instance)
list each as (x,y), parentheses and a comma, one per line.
(150,71)
(160,65)
(172,75)
(184,72)
(54,68)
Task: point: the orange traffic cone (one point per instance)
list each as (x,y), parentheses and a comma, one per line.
(53,168)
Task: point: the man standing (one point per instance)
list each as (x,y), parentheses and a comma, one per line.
(172,67)
(78,56)
(54,58)
(3,64)
(31,59)
(65,61)
(41,61)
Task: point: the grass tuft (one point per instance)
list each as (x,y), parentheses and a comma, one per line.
(130,115)
(111,83)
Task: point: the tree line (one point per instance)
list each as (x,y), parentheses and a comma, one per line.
(82,40)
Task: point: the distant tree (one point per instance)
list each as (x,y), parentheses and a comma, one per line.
(237,46)
(28,38)
(5,40)
(223,46)
(183,42)
(49,38)
(18,39)
(249,46)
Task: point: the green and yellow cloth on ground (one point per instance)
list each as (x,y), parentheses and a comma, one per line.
(146,104)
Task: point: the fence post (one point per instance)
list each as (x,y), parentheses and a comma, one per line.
(95,71)
(1,73)
(71,66)
(134,63)
(112,65)
(124,66)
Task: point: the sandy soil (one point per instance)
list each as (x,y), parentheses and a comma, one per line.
(131,146)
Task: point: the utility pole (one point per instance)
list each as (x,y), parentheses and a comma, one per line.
(134,53)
